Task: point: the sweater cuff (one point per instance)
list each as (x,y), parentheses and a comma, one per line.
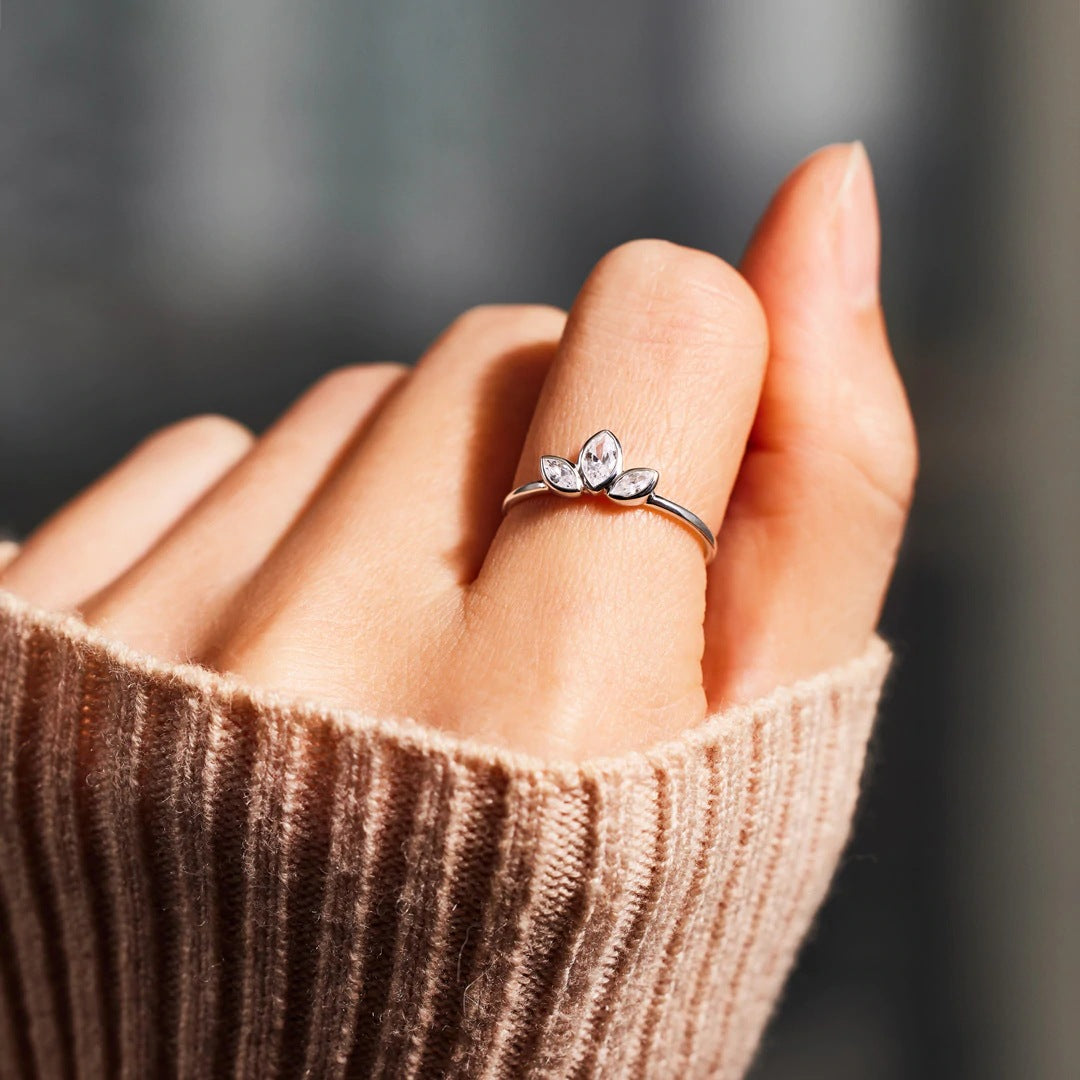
(200,879)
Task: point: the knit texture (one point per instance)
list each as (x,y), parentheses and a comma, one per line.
(200,880)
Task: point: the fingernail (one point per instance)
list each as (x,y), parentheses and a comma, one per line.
(858,235)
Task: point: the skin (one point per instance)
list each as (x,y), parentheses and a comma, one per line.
(356,553)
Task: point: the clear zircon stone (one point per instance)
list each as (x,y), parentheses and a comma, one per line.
(600,459)
(560,474)
(633,483)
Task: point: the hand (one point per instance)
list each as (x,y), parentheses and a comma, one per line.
(356,553)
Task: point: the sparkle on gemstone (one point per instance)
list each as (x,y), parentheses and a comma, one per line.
(600,460)
(634,483)
(560,474)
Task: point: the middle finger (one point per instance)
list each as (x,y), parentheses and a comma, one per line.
(401,526)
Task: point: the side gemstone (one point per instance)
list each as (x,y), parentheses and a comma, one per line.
(634,484)
(560,475)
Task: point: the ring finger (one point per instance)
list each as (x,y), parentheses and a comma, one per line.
(400,527)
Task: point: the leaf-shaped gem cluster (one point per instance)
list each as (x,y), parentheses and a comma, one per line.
(599,470)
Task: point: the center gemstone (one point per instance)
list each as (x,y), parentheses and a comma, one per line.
(601,458)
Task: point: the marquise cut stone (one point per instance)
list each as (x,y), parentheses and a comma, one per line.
(600,459)
(634,483)
(560,474)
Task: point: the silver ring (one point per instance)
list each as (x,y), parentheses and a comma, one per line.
(599,471)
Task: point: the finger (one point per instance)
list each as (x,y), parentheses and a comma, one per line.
(811,535)
(197,570)
(404,520)
(100,533)
(8,550)
(665,347)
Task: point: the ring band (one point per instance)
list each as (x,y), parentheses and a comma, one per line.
(599,471)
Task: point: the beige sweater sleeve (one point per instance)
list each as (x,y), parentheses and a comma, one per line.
(199,880)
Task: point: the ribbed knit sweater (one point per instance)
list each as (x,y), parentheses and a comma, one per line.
(201,880)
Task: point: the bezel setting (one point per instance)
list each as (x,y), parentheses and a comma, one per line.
(561,476)
(600,461)
(633,487)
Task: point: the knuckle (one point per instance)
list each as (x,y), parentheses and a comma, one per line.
(503,320)
(905,458)
(358,379)
(208,430)
(887,454)
(681,290)
(9,549)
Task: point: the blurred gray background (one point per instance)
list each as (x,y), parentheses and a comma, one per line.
(204,205)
